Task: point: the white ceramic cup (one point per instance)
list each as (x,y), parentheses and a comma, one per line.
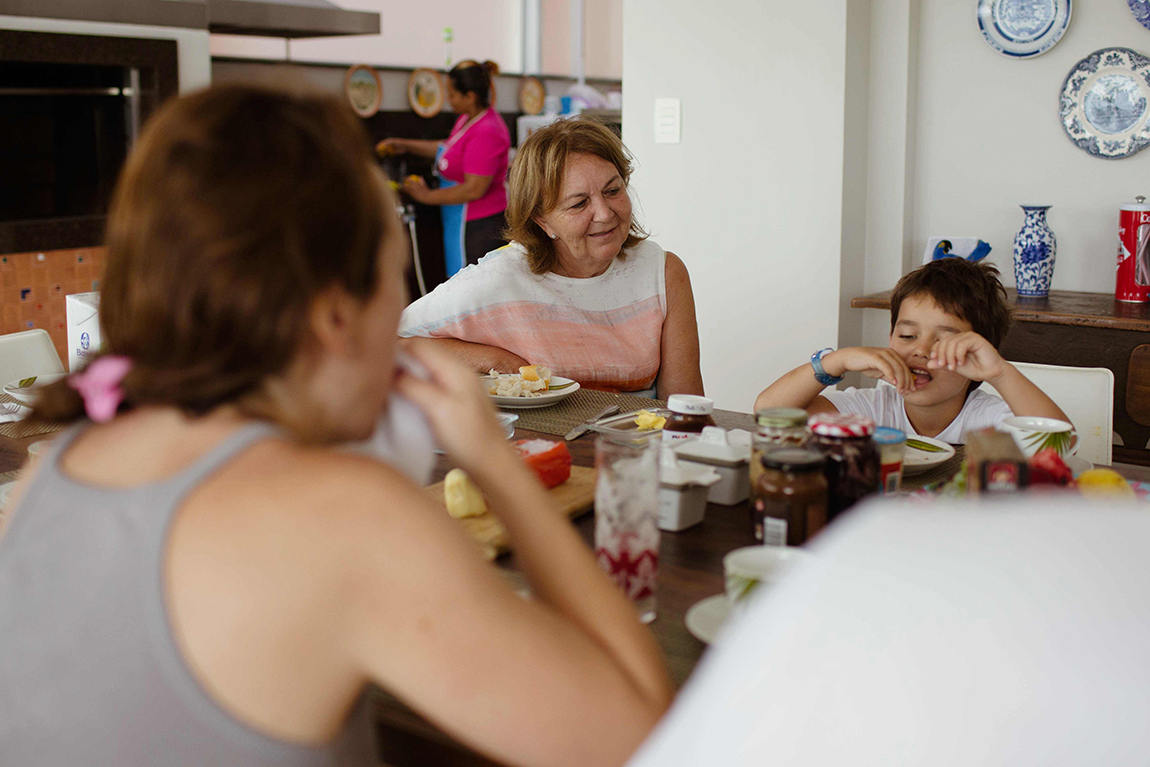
(1032,434)
(747,569)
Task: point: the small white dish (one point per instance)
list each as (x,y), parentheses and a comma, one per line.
(915,461)
(1077,464)
(27,389)
(543,400)
(706,618)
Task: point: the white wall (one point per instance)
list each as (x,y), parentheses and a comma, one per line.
(191,44)
(752,199)
(411,35)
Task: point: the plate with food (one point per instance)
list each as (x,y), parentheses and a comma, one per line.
(27,389)
(533,386)
(923,454)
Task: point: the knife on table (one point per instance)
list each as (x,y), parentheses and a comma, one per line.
(584,427)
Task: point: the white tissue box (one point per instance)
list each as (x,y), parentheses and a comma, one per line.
(729,454)
(83,313)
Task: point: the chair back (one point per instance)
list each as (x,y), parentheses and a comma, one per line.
(27,353)
(1086,395)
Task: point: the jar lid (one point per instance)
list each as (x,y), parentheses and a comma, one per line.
(794,459)
(887,436)
(781,417)
(690,404)
(841,425)
(1139,205)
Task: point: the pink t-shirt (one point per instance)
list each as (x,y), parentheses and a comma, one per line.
(480,151)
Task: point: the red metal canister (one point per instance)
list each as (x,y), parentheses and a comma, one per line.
(1133,282)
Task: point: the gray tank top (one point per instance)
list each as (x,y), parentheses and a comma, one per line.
(90,673)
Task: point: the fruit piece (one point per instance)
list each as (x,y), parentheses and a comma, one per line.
(550,460)
(1048,468)
(529,372)
(462,496)
(1104,483)
(925,447)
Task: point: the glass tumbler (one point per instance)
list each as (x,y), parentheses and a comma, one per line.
(626,516)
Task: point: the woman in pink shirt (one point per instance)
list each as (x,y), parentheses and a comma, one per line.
(471,164)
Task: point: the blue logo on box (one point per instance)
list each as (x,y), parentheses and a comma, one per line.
(85,342)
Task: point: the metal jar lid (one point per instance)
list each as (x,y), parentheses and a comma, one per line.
(840,425)
(794,459)
(781,417)
(690,404)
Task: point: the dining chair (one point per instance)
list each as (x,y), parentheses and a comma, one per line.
(27,353)
(1086,395)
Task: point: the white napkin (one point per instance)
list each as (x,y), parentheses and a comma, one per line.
(403,439)
(10,411)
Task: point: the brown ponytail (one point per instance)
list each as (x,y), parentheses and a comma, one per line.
(239,204)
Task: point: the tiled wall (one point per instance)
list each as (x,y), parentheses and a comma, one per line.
(33,286)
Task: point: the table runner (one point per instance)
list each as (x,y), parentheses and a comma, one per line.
(563,416)
(20,429)
(939,474)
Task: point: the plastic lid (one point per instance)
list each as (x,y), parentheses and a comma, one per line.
(794,459)
(781,417)
(1138,205)
(690,404)
(887,436)
(840,425)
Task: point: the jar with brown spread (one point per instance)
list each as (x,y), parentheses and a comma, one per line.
(852,459)
(790,497)
(690,414)
(777,427)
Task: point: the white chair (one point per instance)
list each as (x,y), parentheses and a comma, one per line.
(27,353)
(1086,395)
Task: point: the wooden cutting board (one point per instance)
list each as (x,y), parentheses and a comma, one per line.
(574,497)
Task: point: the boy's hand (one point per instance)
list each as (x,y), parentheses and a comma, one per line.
(879,363)
(968,354)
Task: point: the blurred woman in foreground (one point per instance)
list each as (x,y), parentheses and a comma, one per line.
(194,575)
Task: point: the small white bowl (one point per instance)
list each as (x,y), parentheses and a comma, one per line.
(507,420)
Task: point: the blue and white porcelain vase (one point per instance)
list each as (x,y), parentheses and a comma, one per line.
(1034,253)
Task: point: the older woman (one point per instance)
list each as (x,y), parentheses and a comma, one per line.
(581,288)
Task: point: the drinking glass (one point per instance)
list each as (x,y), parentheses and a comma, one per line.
(626,516)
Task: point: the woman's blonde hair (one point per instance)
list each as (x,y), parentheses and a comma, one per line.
(536,180)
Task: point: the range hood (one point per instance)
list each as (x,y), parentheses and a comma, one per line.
(288,18)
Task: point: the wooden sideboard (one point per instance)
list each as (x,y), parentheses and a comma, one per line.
(1083,330)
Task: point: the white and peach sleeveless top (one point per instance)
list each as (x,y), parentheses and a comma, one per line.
(604,332)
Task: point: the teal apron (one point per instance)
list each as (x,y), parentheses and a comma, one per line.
(454,222)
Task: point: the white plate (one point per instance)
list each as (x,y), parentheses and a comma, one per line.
(917,461)
(28,394)
(1105,103)
(550,398)
(1077,465)
(705,618)
(1023,29)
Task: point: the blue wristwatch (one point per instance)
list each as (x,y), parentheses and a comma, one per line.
(821,375)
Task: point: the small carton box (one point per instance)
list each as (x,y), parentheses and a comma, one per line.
(83,313)
(994,462)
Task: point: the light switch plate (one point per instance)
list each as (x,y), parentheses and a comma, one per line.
(668,121)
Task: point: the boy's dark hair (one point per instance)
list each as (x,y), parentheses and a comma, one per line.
(969,291)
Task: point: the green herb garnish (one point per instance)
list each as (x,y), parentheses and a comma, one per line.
(925,447)
(26,382)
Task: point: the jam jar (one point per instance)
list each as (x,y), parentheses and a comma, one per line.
(777,427)
(852,459)
(690,414)
(790,497)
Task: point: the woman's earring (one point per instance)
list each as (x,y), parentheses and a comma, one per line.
(552,236)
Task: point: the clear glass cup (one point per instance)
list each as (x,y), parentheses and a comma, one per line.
(627,515)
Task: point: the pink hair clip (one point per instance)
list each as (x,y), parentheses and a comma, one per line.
(99,386)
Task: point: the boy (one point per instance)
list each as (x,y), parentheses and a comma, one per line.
(947,320)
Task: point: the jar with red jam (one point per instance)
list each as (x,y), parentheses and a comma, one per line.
(853,467)
(790,497)
(690,414)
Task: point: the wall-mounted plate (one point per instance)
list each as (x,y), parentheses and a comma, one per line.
(1141,11)
(425,92)
(1023,29)
(1105,103)
(364,89)
(531,95)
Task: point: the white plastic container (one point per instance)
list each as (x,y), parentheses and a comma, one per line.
(83,313)
(729,454)
(682,492)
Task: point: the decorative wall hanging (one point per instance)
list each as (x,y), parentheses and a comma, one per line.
(1105,103)
(364,90)
(531,95)
(1141,11)
(425,92)
(1023,29)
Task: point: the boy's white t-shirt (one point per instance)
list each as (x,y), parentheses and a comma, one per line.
(884,405)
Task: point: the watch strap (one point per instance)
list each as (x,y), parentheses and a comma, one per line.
(821,375)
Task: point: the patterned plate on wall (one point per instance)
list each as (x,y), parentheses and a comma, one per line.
(1105,103)
(1141,11)
(1022,29)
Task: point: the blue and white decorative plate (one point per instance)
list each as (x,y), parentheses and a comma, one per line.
(1022,29)
(1141,11)
(1105,103)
